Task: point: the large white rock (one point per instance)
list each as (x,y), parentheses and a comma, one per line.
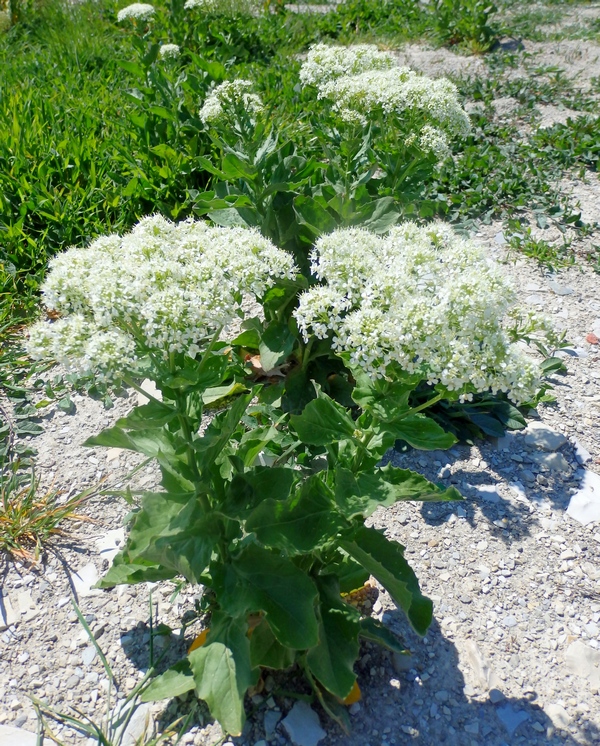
(303,726)
(585,503)
(541,436)
(583,662)
(83,580)
(10,736)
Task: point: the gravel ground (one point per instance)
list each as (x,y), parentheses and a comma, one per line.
(513,655)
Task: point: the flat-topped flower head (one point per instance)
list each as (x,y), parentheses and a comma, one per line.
(420,297)
(324,63)
(136,12)
(162,288)
(222,102)
(169,51)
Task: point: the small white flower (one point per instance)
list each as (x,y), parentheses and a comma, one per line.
(137,12)
(169,51)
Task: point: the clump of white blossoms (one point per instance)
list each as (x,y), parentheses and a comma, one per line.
(169,51)
(324,63)
(160,289)
(224,100)
(424,298)
(363,82)
(223,7)
(136,12)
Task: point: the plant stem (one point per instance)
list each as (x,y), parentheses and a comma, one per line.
(426,404)
(130,382)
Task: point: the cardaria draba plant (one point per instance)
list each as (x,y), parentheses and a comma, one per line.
(275,547)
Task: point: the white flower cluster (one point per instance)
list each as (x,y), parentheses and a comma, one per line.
(162,288)
(362,81)
(223,7)
(222,101)
(422,297)
(324,63)
(169,51)
(136,12)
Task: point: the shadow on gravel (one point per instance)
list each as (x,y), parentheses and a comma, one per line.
(510,517)
(430,704)
(427,704)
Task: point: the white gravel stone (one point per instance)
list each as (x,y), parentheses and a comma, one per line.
(585,503)
(541,436)
(303,726)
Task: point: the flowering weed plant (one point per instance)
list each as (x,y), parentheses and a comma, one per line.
(264,503)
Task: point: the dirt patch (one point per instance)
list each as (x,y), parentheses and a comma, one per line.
(439,62)
(580,60)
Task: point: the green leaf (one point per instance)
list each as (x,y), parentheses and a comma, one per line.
(126,572)
(350,574)
(276,344)
(148,442)
(213,395)
(148,416)
(223,672)
(171,531)
(199,377)
(362,494)
(215,675)
(323,421)
(266,651)
(314,216)
(420,432)
(258,580)
(220,431)
(332,660)
(247,490)
(385,560)
(374,631)
(178,680)
(307,520)
(387,400)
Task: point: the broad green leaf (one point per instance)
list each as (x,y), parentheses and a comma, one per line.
(215,675)
(213,395)
(363,493)
(387,400)
(314,216)
(174,682)
(420,432)
(125,572)
(171,531)
(228,217)
(259,580)
(148,416)
(303,522)
(266,651)
(200,376)
(149,442)
(322,422)
(247,490)
(374,631)
(350,574)
(332,660)
(385,560)
(276,344)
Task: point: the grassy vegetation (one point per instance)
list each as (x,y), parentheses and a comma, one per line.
(89,142)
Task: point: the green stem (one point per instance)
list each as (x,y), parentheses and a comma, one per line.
(426,404)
